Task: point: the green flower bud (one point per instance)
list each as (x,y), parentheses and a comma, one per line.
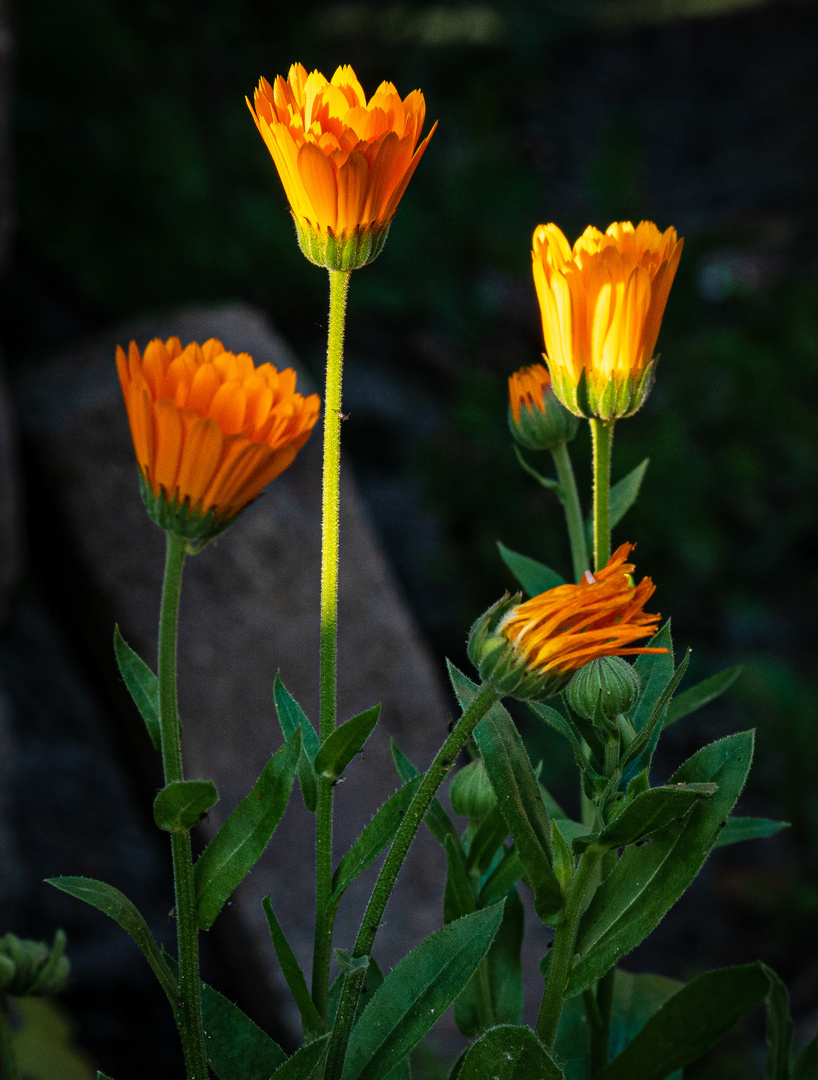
(30,968)
(471,793)
(608,681)
(536,418)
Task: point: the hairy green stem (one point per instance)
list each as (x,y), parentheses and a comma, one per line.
(569,496)
(8,1057)
(410,823)
(189,1012)
(602,437)
(562,951)
(324,914)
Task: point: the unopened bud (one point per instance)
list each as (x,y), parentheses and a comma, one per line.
(471,793)
(30,968)
(610,682)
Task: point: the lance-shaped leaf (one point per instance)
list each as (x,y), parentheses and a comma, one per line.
(737,829)
(437,821)
(416,993)
(458,896)
(142,684)
(507,873)
(509,1053)
(563,727)
(640,753)
(182,803)
(344,743)
(701,694)
(117,906)
(306,1063)
(623,495)
(648,880)
(291,716)
(535,577)
(377,835)
(648,812)
(655,670)
(503,976)
(241,840)
(310,1018)
(491,833)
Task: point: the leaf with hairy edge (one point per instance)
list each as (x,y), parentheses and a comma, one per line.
(648,813)
(535,577)
(180,805)
(290,717)
(507,873)
(102,1075)
(504,976)
(737,829)
(458,896)
(310,1018)
(344,743)
(377,835)
(117,906)
(639,754)
(701,694)
(142,684)
(806,1064)
(416,993)
(655,670)
(306,1063)
(490,835)
(647,881)
(518,795)
(437,821)
(563,727)
(241,840)
(509,1053)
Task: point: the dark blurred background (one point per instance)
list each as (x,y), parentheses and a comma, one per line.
(140,183)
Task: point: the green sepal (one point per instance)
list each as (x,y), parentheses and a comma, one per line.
(310,1019)
(180,805)
(416,993)
(345,252)
(182,519)
(142,684)
(646,814)
(437,821)
(701,694)
(509,1052)
(736,829)
(344,743)
(534,577)
(243,837)
(306,1063)
(290,717)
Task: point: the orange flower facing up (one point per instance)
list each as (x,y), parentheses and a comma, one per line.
(537,419)
(602,304)
(344,161)
(210,430)
(531,649)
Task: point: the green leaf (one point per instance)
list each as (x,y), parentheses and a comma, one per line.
(507,873)
(635,999)
(241,840)
(806,1064)
(563,727)
(237,1048)
(623,495)
(458,896)
(503,974)
(509,1053)
(689,1023)
(310,1018)
(182,803)
(416,993)
(535,577)
(344,743)
(655,670)
(640,753)
(306,1063)
(142,684)
(701,694)
(437,821)
(490,835)
(779,1028)
(290,717)
(737,829)
(648,812)
(102,1075)
(648,880)
(377,835)
(117,906)
(546,481)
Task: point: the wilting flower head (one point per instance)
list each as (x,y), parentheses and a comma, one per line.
(344,161)
(531,649)
(210,430)
(602,305)
(536,417)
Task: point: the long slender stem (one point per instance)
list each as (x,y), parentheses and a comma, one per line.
(322,950)
(8,1056)
(415,813)
(573,512)
(602,436)
(562,951)
(189,1013)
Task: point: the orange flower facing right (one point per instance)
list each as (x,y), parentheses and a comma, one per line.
(536,418)
(602,304)
(344,161)
(210,430)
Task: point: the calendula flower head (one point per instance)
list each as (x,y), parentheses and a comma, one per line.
(344,161)
(536,417)
(31,968)
(209,429)
(602,304)
(530,650)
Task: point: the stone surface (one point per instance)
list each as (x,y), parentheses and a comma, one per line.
(249,608)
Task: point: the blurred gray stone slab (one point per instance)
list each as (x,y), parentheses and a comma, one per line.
(249,609)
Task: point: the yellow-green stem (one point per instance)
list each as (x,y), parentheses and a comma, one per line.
(322,950)
(189,1011)
(602,437)
(569,496)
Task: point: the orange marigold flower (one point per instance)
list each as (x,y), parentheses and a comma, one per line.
(344,161)
(531,649)
(210,430)
(537,419)
(602,304)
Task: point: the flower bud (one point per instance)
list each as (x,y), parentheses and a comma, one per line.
(610,682)
(471,793)
(30,968)
(536,418)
